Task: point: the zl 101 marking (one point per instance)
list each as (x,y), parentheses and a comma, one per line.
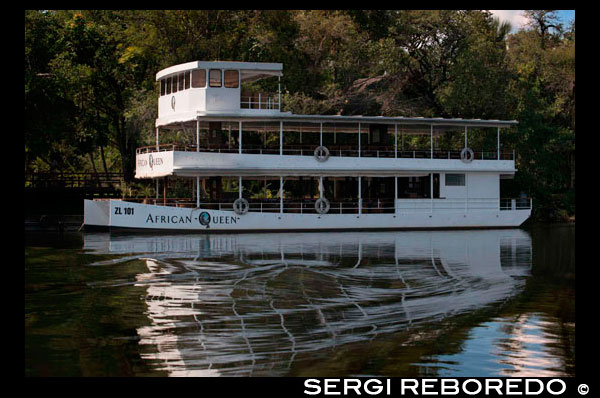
(126,211)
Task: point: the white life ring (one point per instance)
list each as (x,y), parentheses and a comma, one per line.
(241,206)
(322,205)
(321,153)
(467,155)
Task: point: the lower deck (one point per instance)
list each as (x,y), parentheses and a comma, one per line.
(407,201)
(123,214)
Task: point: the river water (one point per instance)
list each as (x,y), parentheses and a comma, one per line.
(419,303)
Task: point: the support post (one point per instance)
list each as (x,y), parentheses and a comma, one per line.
(157,133)
(280,138)
(359,196)
(280,195)
(197,191)
(467,192)
(197,150)
(431,190)
(279,92)
(165,192)
(396,143)
(320,187)
(321,134)
(240,137)
(431,139)
(498,136)
(240,187)
(359,141)
(197,135)
(396,195)
(465,136)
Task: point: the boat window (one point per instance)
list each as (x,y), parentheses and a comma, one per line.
(181,81)
(187,79)
(455,180)
(199,78)
(215,78)
(232,78)
(168,85)
(163,87)
(174,83)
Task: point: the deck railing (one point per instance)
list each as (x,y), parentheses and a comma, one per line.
(334,150)
(72,180)
(522,203)
(268,101)
(366,206)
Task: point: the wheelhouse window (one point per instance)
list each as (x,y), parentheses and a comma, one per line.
(163,87)
(199,78)
(187,79)
(168,85)
(181,77)
(215,78)
(455,180)
(232,78)
(174,83)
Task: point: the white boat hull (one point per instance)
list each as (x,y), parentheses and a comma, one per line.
(117,214)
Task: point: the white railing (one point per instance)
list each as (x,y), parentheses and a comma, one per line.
(461,204)
(422,205)
(260,101)
(516,203)
(334,150)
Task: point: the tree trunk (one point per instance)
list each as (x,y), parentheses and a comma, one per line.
(93,164)
(103,160)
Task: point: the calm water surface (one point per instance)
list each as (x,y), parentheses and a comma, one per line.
(427,303)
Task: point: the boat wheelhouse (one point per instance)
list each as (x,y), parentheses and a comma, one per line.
(234,161)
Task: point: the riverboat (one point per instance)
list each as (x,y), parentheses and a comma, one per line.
(234,161)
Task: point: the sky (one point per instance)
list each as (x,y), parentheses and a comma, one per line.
(518,21)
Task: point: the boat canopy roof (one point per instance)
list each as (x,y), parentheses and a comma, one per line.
(401,120)
(249,70)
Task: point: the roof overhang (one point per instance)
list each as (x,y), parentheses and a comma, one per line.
(250,69)
(439,123)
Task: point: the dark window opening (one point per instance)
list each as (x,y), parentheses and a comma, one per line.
(199,78)
(455,180)
(231,78)
(181,75)
(215,78)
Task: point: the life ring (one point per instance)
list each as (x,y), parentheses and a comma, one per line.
(241,206)
(321,153)
(467,155)
(322,205)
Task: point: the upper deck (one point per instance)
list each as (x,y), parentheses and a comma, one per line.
(228,128)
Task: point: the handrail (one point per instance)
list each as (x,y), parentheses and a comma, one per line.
(334,150)
(306,206)
(71,179)
(261,101)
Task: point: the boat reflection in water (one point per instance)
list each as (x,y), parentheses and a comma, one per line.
(248,304)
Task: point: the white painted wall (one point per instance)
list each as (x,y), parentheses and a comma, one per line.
(189,100)
(212,163)
(155,164)
(177,218)
(223,99)
(477,185)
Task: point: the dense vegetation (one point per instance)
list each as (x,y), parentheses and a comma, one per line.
(90,93)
